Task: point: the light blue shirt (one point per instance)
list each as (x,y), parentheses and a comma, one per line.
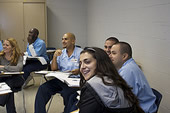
(1,47)
(134,77)
(40,49)
(66,63)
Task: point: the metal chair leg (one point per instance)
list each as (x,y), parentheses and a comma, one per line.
(23,97)
(49,103)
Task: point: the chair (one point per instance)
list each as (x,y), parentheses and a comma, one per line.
(23,96)
(32,74)
(50,55)
(78,46)
(158,98)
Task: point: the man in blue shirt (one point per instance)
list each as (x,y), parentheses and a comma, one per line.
(63,60)
(121,56)
(109,43)
(39,50)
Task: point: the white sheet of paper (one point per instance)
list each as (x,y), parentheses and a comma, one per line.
(73,82)
(41,59)
(60,75)
(31,48)
(4,88)
(43,72)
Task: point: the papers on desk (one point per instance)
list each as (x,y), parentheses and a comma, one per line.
(72,82)
(60,75)
(50,51)
(41,59)
(4,88)
(43,72)
(34,56)
(64,77)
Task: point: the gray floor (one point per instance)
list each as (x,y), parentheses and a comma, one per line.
(56,105)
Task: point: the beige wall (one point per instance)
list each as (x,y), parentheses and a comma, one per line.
(66,16)
(17,17)
(11,21)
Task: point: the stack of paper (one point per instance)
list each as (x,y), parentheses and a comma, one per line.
(63,76)
(60,75)
(73,82)
(4,88)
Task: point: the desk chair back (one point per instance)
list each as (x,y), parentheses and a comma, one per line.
(158,98)
(50,56)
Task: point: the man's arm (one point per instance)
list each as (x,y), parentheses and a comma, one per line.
(54,65)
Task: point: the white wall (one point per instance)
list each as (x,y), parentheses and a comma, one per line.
(66,16)
(145,24)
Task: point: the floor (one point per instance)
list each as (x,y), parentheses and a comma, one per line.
(30,92)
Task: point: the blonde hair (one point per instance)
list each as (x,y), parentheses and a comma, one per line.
(15,51)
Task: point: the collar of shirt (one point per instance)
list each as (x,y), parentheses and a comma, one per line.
(131,59)
(36,41)
(73,55)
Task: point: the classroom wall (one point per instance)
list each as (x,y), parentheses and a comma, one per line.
(145,24)
(66,16)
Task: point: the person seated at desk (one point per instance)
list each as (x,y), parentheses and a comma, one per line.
(121,56)
(11,60)
(103,90)
(63,60)
(109,43)
(36,48)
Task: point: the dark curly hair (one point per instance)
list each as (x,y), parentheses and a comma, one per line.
(105,68)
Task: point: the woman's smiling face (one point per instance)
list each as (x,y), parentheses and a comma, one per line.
(7,47)
(88,65)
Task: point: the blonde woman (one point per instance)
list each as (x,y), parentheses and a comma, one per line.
(10,61)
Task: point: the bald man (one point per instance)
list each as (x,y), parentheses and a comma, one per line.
(63,60)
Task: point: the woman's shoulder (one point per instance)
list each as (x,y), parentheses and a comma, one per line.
(108,94)
(21,57)
(111,95)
